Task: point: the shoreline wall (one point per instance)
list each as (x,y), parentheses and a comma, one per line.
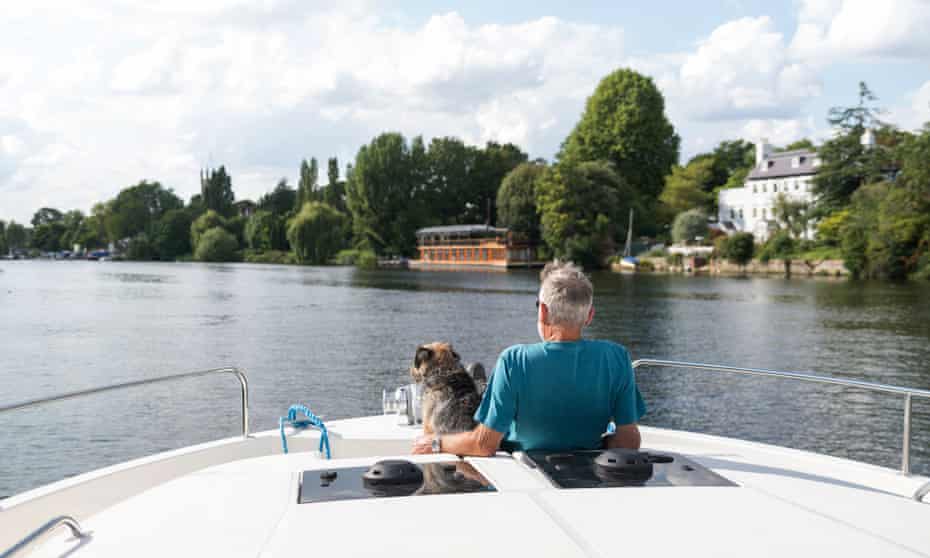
(799,268)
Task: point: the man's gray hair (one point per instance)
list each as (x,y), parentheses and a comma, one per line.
(567,293)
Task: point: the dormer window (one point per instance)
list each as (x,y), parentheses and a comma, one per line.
(771,164)
(795,162)
(801,159)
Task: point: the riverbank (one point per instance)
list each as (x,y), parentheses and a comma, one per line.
(798,268)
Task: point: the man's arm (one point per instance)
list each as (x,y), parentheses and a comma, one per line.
(627,436)
(481,442)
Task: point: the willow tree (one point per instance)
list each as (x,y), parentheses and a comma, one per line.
(316,233)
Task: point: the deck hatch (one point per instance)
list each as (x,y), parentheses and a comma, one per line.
(359,483)
(579,469)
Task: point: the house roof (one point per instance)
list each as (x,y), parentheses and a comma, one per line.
(778,165)
(461,230)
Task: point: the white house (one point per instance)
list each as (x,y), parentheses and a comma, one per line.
(749,209)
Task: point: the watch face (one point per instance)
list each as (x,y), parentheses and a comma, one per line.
(436,444)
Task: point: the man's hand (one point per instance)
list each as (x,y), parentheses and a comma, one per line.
(423,444)
(627,436)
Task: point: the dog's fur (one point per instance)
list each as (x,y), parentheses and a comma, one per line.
(450,395)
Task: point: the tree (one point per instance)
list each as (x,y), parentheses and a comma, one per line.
(307,185)
(492,163)
(384,195)
(140,248)
(791,215)
(516,201)
(137,208)
(624,122)
(449,175)
(857,118)
(72,221)
(689,226)
(47,236)
(803,143)
(684,188)
(578,206)
(830,228)
(740,248)
(216,245)
(209,220)
(780,245)
(216,191)
(279,201)
(335,192)
(16,236)
(260,231)
(172,236)
(316,233)
(45,216)
(4,246)
(847,164)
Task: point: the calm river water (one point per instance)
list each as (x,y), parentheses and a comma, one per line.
(334,337)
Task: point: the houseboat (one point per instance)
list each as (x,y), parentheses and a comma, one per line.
(473,247)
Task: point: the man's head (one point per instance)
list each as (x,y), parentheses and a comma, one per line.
(566,299)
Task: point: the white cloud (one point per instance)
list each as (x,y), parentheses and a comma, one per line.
(157,90)
(740,71)
(914,113)
(833,29)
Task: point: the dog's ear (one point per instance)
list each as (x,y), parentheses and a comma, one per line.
(456,356)
(423,354)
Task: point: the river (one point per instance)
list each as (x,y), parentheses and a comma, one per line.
(334,337)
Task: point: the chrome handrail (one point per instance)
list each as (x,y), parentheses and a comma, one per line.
(46,528)
(922,491)
(908,393)
(243,382)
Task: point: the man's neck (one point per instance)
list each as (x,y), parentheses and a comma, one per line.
(563,335)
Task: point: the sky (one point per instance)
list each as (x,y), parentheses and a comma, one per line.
(96,96)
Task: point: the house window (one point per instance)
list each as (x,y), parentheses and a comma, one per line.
(763,189)
(796,185)
(753,212)
(732,214)
(740,213)
(775,188)
(755,188)
(764,213)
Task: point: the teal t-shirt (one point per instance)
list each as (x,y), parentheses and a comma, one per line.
(560,395)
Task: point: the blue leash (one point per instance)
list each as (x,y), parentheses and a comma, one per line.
(311,420)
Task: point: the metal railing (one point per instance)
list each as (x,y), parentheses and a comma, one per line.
(45,529)
(243,382)
(908,393)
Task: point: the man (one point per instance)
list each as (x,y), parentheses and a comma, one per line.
(559,394)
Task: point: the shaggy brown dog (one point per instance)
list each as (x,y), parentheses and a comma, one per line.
(450,396)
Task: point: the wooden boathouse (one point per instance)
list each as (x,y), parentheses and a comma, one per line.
(472,246)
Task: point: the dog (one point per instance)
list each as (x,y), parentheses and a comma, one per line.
(450,394)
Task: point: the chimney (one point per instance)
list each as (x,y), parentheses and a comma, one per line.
(868,139)
(763,149)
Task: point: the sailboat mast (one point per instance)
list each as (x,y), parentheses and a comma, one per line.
(627,250)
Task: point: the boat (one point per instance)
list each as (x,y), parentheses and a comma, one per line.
(349,488)
(628,264)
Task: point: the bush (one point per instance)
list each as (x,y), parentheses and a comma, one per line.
(646,266)
(740,248)
(347,257)
(216,245)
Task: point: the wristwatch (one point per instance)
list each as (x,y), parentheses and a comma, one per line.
(437,444)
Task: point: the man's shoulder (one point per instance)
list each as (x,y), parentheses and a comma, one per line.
(607,346)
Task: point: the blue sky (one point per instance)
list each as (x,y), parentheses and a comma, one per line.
(118,90)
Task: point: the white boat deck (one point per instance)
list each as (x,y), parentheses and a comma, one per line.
(239,498)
